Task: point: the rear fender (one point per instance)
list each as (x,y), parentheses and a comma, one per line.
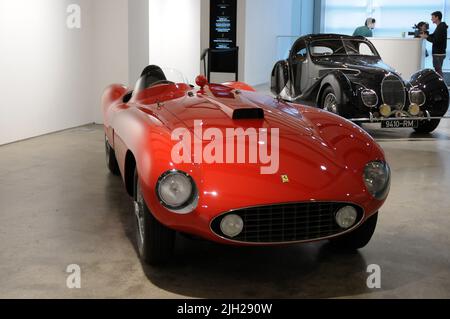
(112,95)
(279,77)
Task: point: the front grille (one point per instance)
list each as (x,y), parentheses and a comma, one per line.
(393,92)
(287,223)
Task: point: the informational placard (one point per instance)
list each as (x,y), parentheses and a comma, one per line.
(223,24)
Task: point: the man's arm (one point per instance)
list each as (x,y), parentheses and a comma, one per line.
(429,37)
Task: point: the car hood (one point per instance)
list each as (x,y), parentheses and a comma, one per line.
(217,113)
(321,156)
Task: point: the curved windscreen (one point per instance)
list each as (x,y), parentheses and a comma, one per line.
(154,76)
(320,48)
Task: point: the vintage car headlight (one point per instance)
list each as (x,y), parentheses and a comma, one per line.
(417,96)
(369,98)
(346,217)
(377,177)
(232,225)
(177,192)
(414,109)
(385,110)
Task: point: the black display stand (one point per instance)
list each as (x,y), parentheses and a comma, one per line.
(221,61)
(223,53)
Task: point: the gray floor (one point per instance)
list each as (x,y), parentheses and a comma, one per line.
(59,206)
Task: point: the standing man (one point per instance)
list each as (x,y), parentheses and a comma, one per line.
(366,30)
(439,40)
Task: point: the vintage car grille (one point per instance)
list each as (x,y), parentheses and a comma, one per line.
(287,223)
(393,92)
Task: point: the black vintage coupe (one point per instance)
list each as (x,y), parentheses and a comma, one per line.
(346,75)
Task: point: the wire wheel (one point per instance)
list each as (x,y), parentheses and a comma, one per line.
(139,213)
(331,103)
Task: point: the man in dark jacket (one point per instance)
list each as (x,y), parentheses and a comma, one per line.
(439,40)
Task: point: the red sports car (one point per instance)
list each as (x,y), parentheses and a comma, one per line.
(229,165)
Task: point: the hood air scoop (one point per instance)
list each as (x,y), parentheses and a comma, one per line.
(248,114)
(240,112)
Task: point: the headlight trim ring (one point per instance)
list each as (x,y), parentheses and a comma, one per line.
(190,204)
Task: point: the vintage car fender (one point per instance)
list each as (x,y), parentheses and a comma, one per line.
(279,77)
(435,89)
(340,84)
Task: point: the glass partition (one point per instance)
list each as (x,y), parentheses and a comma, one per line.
(394,18)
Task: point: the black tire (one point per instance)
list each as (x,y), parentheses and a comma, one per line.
(155,242)
(111,160)
(327,97)
(357,239)
(426,127)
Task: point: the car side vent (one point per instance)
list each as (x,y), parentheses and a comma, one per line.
(248,114)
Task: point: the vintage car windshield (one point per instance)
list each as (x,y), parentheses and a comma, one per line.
(159,77)
(338,47)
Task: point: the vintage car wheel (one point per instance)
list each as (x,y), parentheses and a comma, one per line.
(330,102)
(155,242)
(426,126)
(358,238)
(111,160)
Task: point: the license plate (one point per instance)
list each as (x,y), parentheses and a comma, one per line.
(404,123)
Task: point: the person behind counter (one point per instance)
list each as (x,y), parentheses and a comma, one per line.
(366,30)
(439,40)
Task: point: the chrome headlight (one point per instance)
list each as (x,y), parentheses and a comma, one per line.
(417,96)
(369,98)
(232,225)
(377,177)
(346,217)
(177,192)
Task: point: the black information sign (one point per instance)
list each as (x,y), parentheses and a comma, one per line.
(223,52)
(223,24)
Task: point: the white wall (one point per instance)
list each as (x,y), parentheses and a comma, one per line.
(52,77)
(43,68)
(138,38)
(109,48)
(175,35)
(264,21)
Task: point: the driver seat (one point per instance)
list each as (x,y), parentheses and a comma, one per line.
(151,75)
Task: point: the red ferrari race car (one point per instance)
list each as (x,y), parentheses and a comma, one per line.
(229,165)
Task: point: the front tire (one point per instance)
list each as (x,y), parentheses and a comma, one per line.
(111,160)
(359,238)
(155,242)
(427,126)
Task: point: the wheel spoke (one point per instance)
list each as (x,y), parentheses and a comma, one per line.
(330,103)
(139,213)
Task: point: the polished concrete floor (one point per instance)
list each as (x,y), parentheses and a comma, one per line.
(60,206)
